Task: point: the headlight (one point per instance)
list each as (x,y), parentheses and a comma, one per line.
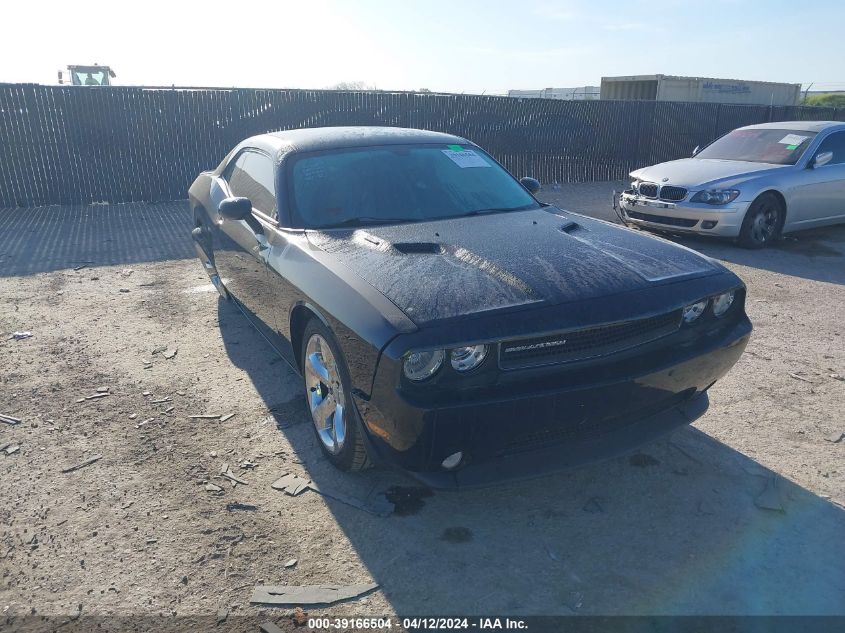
(694,310)
(715,196)
(421,365)
(466,358)
(723,302)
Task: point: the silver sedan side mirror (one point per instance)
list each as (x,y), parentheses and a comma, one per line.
(695,151)
(822,159)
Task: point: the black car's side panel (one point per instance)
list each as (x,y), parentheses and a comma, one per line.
(302,280)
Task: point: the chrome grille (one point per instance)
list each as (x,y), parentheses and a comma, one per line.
(574,345)
(671,193)
(648,189)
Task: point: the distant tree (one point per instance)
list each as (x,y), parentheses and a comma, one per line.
(351,85)
(830,100)
(424,90)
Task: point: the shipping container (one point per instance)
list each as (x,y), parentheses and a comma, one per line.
(699,89)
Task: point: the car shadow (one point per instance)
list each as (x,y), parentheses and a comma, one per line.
(686,525)
(44,239)
(817,254)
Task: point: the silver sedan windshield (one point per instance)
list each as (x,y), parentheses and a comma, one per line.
(779,147)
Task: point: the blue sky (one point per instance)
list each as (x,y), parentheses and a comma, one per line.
(451,46)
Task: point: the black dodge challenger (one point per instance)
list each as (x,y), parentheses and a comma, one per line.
(448,323)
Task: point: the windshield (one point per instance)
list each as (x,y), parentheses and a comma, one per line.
(399,183)
(780,147)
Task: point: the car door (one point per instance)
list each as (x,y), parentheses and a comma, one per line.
(819,196)
(241,246)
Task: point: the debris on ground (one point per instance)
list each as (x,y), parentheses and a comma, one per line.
(94,396)
(835,437)
(797,377)
(294,485)
(144,423)
(124,290)
(226,472)
(170,353)
(291,484)
(378,506)
(103,389)
(222,614)
(241,507)
(269,627)
(159,349)
(837,376)
(290,563)
(314,595)
(12,449)
(299,617)
(769,499)
(593,506)
(205,416)
(161,400)
(126,272)
(18,336)
(228,416)
(87,462)
(209,487)
(9,419)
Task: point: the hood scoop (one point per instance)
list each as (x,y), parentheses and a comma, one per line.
(569,227)
(418,248)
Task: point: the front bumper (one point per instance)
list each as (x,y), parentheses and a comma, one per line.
(684,216)
(552,423)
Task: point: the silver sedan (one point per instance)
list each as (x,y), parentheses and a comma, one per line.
(753,184)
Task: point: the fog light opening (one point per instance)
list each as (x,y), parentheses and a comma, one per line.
(709,224)
(453,461)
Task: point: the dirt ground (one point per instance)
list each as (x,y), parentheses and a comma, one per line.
(678,528)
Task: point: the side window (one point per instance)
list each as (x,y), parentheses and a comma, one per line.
(252,176)
(834,143)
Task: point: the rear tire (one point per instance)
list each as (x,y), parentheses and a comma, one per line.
(328,397)
(762,223)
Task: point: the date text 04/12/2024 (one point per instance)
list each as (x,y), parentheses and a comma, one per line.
(422,623)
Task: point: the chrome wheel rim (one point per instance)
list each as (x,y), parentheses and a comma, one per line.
(764,224)
(324,392)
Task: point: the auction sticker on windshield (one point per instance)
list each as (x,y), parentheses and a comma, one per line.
(465,158)
(793,139)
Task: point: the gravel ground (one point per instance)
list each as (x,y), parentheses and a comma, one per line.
(674,529)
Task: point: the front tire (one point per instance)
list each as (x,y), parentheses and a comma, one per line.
(328,396)
(762,223)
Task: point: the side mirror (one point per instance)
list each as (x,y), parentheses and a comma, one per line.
(696,150)
(822,159)
(235,208)
(532,184)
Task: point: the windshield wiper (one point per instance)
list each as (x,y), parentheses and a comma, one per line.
(366,221)
(499,209)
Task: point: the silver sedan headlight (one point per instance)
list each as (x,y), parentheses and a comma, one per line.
(723,302)
(421,365)
(716,196)
(467,358)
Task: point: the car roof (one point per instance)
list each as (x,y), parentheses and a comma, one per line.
(324,138)
(798,126)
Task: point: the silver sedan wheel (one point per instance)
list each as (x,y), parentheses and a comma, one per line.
(764,224)
(325,394)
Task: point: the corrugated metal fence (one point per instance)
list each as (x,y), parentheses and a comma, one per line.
(75,144)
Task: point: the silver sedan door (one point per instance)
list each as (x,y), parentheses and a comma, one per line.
(818,195)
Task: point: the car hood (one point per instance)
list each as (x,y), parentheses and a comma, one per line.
(451,268)
(693,173)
